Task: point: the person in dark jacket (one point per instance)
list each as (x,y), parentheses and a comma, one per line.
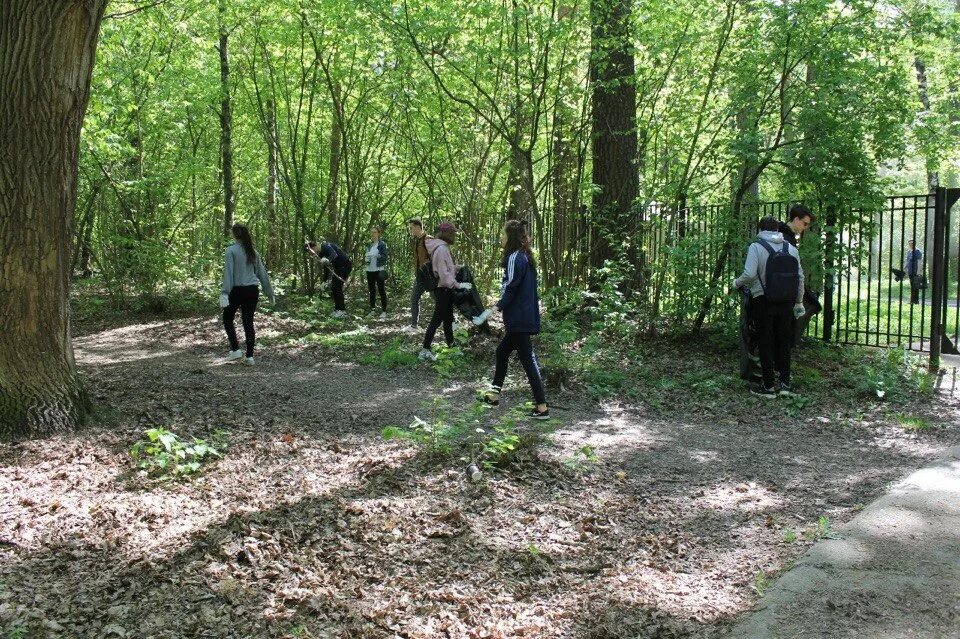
(376,268)
(520,306)
(800,220)
(338,264)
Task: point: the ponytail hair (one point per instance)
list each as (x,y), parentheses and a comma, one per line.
(242,234)
(517,240)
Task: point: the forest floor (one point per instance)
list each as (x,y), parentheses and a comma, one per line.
(663,514)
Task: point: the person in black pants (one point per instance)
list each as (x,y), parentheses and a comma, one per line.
(774,303)
(441,259)
(338,266)
(520,305)
(376,269)
(243,270)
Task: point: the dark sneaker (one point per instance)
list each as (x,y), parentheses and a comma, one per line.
(536,414)
(761,391)
(786,391)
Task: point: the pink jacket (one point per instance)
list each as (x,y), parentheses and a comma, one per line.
(443,266)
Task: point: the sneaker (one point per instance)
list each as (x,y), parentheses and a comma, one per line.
(482,317)
(426,355)
(249,361)
(761,391)
(371,312)
(786,390)
(537,414)
(382,315)
(338,314)
(234,355)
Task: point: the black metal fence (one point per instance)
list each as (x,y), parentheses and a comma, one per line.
(855,258)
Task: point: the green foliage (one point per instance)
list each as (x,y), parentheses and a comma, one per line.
(163,455)
(396,355)
(761,583)
(449,362)
(796,404)
(472,435)
(913,423)
(789,535)
(892,375)
(582,458)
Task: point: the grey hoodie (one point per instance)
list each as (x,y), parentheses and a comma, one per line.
(237,271)
(755,269)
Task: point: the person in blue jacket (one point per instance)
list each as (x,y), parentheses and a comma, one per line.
(376,268)
(520,306)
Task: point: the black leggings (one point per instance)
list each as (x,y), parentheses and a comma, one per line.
(377,280)
(336,285)
(521,343)
(442,313)
(244,298)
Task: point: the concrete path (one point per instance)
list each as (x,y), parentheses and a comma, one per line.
(892,573)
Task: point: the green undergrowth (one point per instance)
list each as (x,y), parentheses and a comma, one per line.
(477,435)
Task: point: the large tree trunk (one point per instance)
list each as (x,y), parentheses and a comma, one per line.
(614,99)
(933,177)
(226,119)
(46,59)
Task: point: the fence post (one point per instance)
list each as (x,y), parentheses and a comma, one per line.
(828,274)
(937,278)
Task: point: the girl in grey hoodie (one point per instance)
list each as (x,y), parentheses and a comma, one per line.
(243,270)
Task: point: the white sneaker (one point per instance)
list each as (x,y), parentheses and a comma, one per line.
(383,315)
(248,361)
(426,356)
(338,314)
(234,355)
(482,317)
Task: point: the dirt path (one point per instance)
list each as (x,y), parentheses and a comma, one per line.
(312,525)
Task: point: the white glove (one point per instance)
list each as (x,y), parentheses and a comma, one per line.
(224,300)
(465,286)
(799,310)
(324,261)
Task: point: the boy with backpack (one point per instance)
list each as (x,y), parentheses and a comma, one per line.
(773,275)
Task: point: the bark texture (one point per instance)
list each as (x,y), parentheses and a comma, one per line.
(47,50)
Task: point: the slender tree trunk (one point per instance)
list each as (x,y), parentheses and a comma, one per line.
(933,177)
(273,233)
(614,101)
(47,50)
(336,147)
(226,120)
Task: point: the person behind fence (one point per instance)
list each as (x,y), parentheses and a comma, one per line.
(800,220)
(520,305)
(442,266)
(337,266)
(773,275)
(243,270)
(376,268)
(911,266)
(420,257)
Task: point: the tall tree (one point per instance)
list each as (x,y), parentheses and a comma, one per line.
(47,50)
(226,117)
(615,175)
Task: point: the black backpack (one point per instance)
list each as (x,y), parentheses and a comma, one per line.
(426,277)
(782,275)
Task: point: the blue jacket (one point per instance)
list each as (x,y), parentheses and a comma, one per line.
(519,301)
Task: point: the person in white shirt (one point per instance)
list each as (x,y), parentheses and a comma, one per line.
(376,267)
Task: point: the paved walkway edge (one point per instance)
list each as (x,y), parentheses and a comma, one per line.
(893,572)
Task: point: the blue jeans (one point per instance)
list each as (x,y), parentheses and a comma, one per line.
(415,296)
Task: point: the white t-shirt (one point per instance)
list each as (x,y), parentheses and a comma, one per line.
(372,254)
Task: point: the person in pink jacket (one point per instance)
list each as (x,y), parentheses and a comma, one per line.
(443,267)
